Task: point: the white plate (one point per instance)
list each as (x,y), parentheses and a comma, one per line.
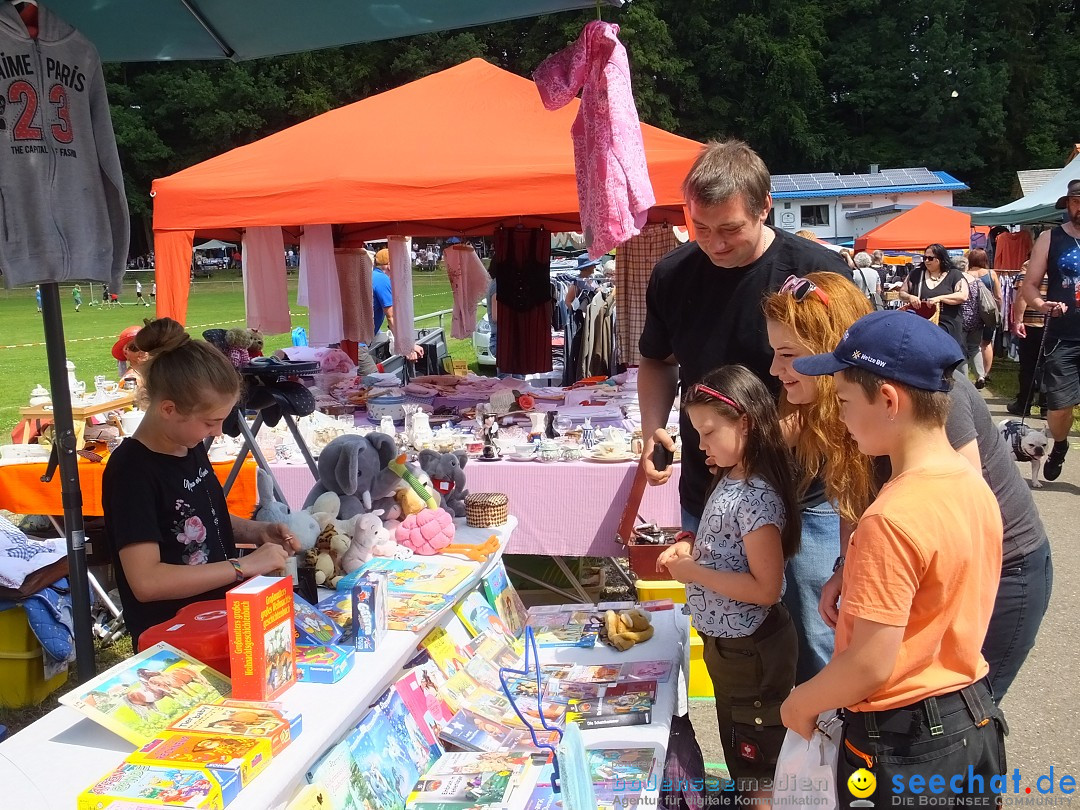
(513,457)
(606,459)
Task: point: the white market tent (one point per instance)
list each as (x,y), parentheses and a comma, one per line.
(1038,206)
(216,244)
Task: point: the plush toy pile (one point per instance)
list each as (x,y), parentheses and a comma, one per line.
(369,502)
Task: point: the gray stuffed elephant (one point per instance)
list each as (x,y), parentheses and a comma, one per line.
(448,476)
(350,466)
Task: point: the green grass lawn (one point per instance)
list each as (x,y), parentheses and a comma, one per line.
(90,333)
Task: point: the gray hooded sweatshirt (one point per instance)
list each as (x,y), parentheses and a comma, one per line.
(63,210)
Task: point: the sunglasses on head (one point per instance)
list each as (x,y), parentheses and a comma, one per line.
(701,388)
(799,288)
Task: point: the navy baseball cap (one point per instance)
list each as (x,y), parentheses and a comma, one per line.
(895,345)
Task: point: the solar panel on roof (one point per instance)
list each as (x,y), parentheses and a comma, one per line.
(877,180)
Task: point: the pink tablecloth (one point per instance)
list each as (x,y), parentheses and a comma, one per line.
(566,509)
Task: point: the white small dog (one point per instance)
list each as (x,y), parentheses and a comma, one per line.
(1026,444)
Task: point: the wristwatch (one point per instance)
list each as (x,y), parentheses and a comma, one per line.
(837,565)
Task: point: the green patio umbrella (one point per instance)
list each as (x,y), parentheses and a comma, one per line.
(153,30)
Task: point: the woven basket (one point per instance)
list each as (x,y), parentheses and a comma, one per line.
(485,509)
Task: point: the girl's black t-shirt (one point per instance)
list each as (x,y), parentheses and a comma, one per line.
(709,316)
(175,502)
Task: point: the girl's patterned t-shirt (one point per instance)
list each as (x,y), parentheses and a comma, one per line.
(175,502)
(734,509)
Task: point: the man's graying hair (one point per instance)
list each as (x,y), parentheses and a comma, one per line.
(725,169)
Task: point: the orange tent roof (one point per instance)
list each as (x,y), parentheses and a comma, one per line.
(923,225)
(454,152)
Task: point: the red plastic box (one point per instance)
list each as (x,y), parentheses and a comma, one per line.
(200,630)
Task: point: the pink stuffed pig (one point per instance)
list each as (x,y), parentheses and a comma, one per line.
(429,531)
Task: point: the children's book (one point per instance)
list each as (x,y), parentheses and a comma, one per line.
(594,673)
(412,611)
(337,607)
(659,671)
(417,575)
(313,628)
(444,651)
(475,790)
(471,732)
(462,692)
(337,775)
(387,773)
(502,596)
(311,797)
(162,786)
(407,745)
(478,615)
(139,697)
(624,709)
(242,757)
(262,647)
(412,693)
(564,691)
(431,680)
(327,664)
(564,628)
(243,719)
(607,765)
(495,648)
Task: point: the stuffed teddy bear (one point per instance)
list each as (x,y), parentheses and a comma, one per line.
(239,342)
(349,466)
(330,548)
(303,525)
(447,474)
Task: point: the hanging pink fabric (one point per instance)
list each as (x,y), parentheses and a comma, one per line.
(401,281)
(319,282)
(266,295)
(469,283)
(354,266)
(614,190)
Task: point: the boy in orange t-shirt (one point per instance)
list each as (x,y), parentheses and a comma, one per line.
(921,573)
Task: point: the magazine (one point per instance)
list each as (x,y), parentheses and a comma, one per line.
(628,764)
(502,596)
(477,614)
(139,697)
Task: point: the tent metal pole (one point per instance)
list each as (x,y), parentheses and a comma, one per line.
(64,439)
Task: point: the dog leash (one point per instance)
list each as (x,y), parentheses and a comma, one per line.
(1035,374)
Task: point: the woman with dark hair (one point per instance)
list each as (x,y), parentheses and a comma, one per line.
(940,283)
(979,267)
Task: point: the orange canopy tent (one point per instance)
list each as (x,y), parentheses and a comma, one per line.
(458,152)
(923,225)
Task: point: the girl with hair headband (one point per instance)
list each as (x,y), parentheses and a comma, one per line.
(734,568)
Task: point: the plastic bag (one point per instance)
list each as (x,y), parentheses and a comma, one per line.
(806,771)
(684,769)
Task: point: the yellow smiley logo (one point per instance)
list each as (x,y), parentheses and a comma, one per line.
(862,783)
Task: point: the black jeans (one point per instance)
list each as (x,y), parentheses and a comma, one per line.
(905,749)
(1028,350)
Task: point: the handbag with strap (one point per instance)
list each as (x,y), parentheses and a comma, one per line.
(924,309)
(989,313)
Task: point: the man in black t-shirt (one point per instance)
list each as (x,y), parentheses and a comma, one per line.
(704,310)
(703,305)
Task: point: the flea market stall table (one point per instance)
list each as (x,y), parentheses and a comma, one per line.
(55,758)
